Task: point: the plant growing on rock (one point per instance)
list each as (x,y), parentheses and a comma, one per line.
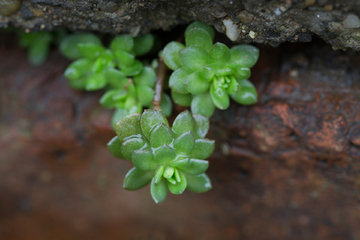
(206,75)
(97,67)
(169,158)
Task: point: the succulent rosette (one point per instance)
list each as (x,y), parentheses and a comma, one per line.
(171,158)
(206,75)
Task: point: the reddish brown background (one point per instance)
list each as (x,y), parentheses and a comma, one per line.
(285,168)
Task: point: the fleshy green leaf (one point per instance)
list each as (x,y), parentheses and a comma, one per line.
(170,55)
(209,70)
(193,58)
(158,190)
(161,135)
(107,99)
(181,99)
(191,166)
(79,83)
(164,154)
(144,160)
(219,54)
(246,94)
(147,77)
(128,126)
(203,104)
(143,44)
(39,49)
(179,187)
(199,38)
(166,105)
(199,183)
(168,172)
(130,145)
(184,144)
(133,69)
(219,97)
(95,82)
(125,58)
(122,42)
(201,25)
(68,46)
(114,147)
(202,126)
(78,68)
(244,54)
(116,78)
(196,84)
(136,179)
(159,174)
(145,94)
(90,50)
(203,148)
(177,80)
(149,119)
(119,114)
(183,122)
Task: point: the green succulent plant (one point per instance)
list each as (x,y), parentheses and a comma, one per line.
(169,158)
(206,75)
(97,67)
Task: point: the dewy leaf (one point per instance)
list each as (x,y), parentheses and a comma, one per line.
(201,25)
(158,190)
(145,94)
(68,46)
(203,104)
(116,78)
(168,172)
(161,135)
(244,54)
(203,148)
(114,147)
(125,58)
(122,42)
(136,179)
(144,160)
(149,119)
(202,126)
(129,146)
(78,68)
(143,44)
(209,70)
(170,55)
(128,126)
(219,54)
(193,58)
(183,122)
(199,183)
(191,166)
(181,99)
(220,97)
(179,187)
(164,154)
(246,93)
(184,144)
(199,38)
(196,84)
(90,50)
(95,82)
(242,73)
(146,77)
(177,80)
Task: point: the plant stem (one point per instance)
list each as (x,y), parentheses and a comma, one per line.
(161,73)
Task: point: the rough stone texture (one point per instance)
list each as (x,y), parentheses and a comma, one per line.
(285,168)
(270,22)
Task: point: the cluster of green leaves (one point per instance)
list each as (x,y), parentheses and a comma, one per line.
(169,158)
(206,75)
(96,67)
(38,44)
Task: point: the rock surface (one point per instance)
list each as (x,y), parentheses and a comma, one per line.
(270,22)
(285,168)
